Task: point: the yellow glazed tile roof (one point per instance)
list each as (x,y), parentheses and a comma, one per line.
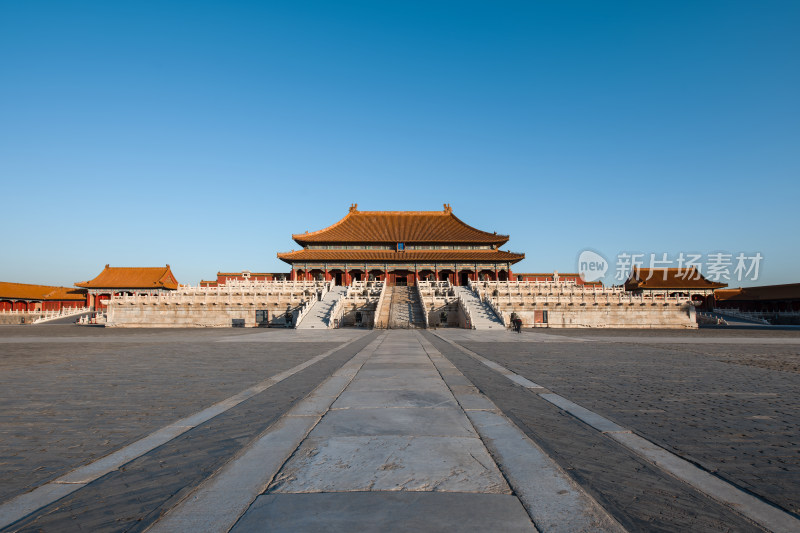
(24,291)
(132,278)
(400,226)
(669,278)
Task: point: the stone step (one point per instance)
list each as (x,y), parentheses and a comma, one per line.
(406,311)
(318,317)
(483,317)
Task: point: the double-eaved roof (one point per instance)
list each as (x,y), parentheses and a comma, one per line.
(433,227)
(400,236)
(132,278)
(24,291)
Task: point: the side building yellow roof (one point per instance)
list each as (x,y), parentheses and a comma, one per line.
(24,291)
(132,278)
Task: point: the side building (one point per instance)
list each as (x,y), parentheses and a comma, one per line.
(22,303)
(556,277)
(661,282)
(119,281)
(401,248)
(777,304)
(245,276)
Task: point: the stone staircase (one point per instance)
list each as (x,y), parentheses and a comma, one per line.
(318,316)
(405,310)
(483,316)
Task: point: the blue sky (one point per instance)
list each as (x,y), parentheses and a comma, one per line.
(203,134)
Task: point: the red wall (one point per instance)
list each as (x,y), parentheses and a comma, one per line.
(549,277)
(46,305)
(100,301)
(261,276)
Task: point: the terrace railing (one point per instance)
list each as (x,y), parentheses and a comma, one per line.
(497,311)
(304,308)
(755,316)
(379,306)
(504,294)
(424,307)
(47,316)
(462,305)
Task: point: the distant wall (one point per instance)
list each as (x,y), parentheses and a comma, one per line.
(18,318)
(186,316)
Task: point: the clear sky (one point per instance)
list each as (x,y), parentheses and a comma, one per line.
(203,134)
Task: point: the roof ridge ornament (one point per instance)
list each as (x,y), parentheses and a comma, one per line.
(448,209)
(354,208)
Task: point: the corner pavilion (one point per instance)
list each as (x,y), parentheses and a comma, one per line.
(400,248)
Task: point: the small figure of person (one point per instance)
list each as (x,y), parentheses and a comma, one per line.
(516,322)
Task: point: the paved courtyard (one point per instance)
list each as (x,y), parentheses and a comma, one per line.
(342,430)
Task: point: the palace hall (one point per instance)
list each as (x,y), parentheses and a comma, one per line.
(380,269)
(401,248)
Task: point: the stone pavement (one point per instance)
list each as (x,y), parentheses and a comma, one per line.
(229,430)
(739,422)
(390,432)
(107,395)
(69,399)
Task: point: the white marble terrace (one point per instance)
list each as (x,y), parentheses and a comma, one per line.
(508,294)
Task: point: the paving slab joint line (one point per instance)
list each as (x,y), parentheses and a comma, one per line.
(554,501)
(753,507)
(220,501)
(24,504)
